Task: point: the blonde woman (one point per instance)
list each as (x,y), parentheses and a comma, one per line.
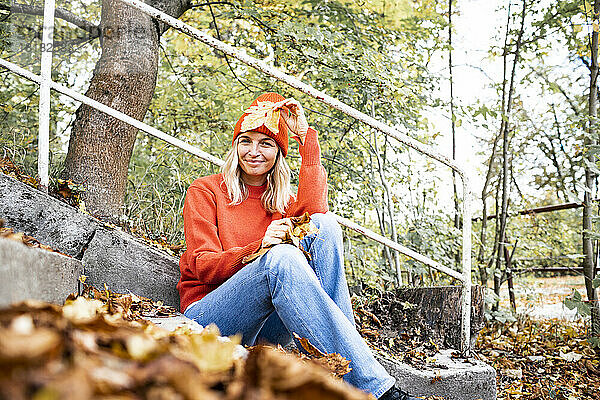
(231,215)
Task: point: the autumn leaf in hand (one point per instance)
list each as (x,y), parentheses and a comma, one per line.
(259,115)
(301,226)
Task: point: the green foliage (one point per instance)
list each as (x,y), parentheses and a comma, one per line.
(574,301)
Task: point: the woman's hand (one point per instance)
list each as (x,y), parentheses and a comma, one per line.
(276,232)
(293,115)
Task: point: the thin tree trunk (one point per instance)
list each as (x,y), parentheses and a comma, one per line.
(389,204)
(488,176)
(508,256)
(124,78)
(589,263)
(505,144)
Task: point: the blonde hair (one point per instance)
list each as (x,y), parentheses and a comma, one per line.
(279,189)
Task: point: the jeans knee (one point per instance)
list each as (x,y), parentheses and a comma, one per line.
(284,257)
(328,226)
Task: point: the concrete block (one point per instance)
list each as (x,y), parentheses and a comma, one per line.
(33,273)
(125,265)
(453,379)
(173,322)
(47,219)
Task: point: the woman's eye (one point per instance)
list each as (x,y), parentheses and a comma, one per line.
(267,144)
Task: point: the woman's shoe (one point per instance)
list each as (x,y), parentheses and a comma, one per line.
(397,394)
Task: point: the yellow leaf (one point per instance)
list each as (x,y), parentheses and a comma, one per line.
(210,352)
(577,28)
(272,121)
(82,310)
(595,26)
(259,115)
(140,347)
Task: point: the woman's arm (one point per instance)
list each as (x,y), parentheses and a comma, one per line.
(205,260)
(312,185)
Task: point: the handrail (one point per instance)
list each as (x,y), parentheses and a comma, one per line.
(464,278)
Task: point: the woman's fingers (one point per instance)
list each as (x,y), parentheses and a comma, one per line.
(277,231)
(293,116)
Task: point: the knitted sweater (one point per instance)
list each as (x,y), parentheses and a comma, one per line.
(218,235)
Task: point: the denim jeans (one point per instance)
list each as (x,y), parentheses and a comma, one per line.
(283,292)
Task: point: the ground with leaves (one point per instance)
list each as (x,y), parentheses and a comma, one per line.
(545,359)
(96,347)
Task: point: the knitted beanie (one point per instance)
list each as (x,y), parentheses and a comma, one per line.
(281,137)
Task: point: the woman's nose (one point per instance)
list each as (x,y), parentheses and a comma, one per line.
(254,149)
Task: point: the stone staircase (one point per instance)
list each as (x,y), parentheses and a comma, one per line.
(109,256)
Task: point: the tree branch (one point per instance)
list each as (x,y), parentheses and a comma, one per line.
(92,29)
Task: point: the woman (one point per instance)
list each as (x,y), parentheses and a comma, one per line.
(247,206)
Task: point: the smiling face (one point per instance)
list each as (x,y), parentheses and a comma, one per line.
(257,154)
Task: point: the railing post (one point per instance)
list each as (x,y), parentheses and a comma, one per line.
(466,262)
(44,104)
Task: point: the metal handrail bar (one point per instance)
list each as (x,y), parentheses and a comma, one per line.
(215,160)
(44,101)
(113,113)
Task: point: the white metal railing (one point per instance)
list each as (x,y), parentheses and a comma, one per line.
(46,83)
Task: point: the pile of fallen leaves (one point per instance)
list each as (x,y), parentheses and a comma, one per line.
(542,359)
(7,167)
(129,306)
(95,347)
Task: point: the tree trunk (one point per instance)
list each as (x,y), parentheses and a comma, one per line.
(505,163)
(429,313)
(589,263)
(124,78)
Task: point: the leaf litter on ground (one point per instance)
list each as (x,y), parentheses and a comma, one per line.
(97,345)
(542,359)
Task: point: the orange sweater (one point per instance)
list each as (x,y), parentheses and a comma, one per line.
(219,236)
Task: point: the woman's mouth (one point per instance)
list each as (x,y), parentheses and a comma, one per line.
(254,162)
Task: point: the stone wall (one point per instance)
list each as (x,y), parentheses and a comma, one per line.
(108,256)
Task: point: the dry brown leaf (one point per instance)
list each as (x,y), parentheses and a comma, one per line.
(309,347)
(301,226)
(16,347)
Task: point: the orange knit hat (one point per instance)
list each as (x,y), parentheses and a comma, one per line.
(261,114)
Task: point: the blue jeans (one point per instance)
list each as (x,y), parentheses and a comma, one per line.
(283,292)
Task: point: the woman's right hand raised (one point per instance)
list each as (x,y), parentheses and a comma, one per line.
(276,232)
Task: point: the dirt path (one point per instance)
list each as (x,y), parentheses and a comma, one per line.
(543,297)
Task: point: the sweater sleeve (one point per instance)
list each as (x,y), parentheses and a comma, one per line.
(312,185)
(205,258)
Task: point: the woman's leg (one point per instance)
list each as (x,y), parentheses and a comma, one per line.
(284,282)
(326,248)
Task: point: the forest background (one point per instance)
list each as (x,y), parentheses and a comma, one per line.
(535,138)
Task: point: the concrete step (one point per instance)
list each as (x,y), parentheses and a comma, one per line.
(33,273)
(445,376)
(109,256)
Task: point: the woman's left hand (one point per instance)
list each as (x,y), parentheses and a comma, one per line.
(293,115)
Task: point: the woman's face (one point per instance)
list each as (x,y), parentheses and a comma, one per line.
(257,154)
